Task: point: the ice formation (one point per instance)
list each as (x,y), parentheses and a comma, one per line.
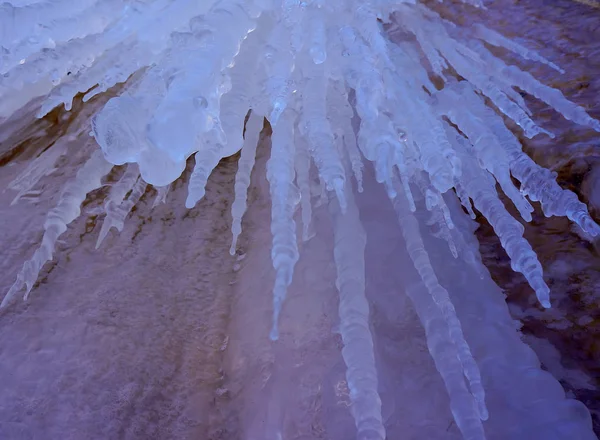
(340,82)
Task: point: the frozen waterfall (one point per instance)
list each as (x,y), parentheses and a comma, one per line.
(354,91)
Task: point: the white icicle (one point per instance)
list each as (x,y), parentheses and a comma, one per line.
(284,195)
(254,126)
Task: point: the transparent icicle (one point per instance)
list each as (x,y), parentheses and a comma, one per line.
(363,74)
(469,65)
(418,254)
(486,148)
(526,82)
(505,149)
(284,196)
(464,407)
(254,126)
(540,185)
(116,218)
(115,200)
(361,374)
(496,39)
(68,209)
(161,195)
(443,231)
(465,200)
(481,188)
(423,126)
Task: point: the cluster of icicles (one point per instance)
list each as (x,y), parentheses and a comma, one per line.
(339,81)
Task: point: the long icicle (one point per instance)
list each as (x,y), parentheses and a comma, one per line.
(284,196)
(254,126)
(418,254)
(361,374)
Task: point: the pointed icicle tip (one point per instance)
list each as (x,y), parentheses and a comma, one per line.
(338,186)
(190,201)
(274,335)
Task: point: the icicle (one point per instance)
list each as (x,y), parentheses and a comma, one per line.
(293,16)
(303,180)
(361,373)
(437,62)
(206,161)
(487,149)
(540,185)
(465,200)
(161,195)
(280,174)
(278,65)
(254,126)
(526,82)
(115,200)
(495,39)
(463,60)
(418,254)
(443,231)
(317,130)
(480,187)
(341,121)
(424,128)
(245,77)
(464,407)
(363,75)
(68,209)
(503,148)
(116,217)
